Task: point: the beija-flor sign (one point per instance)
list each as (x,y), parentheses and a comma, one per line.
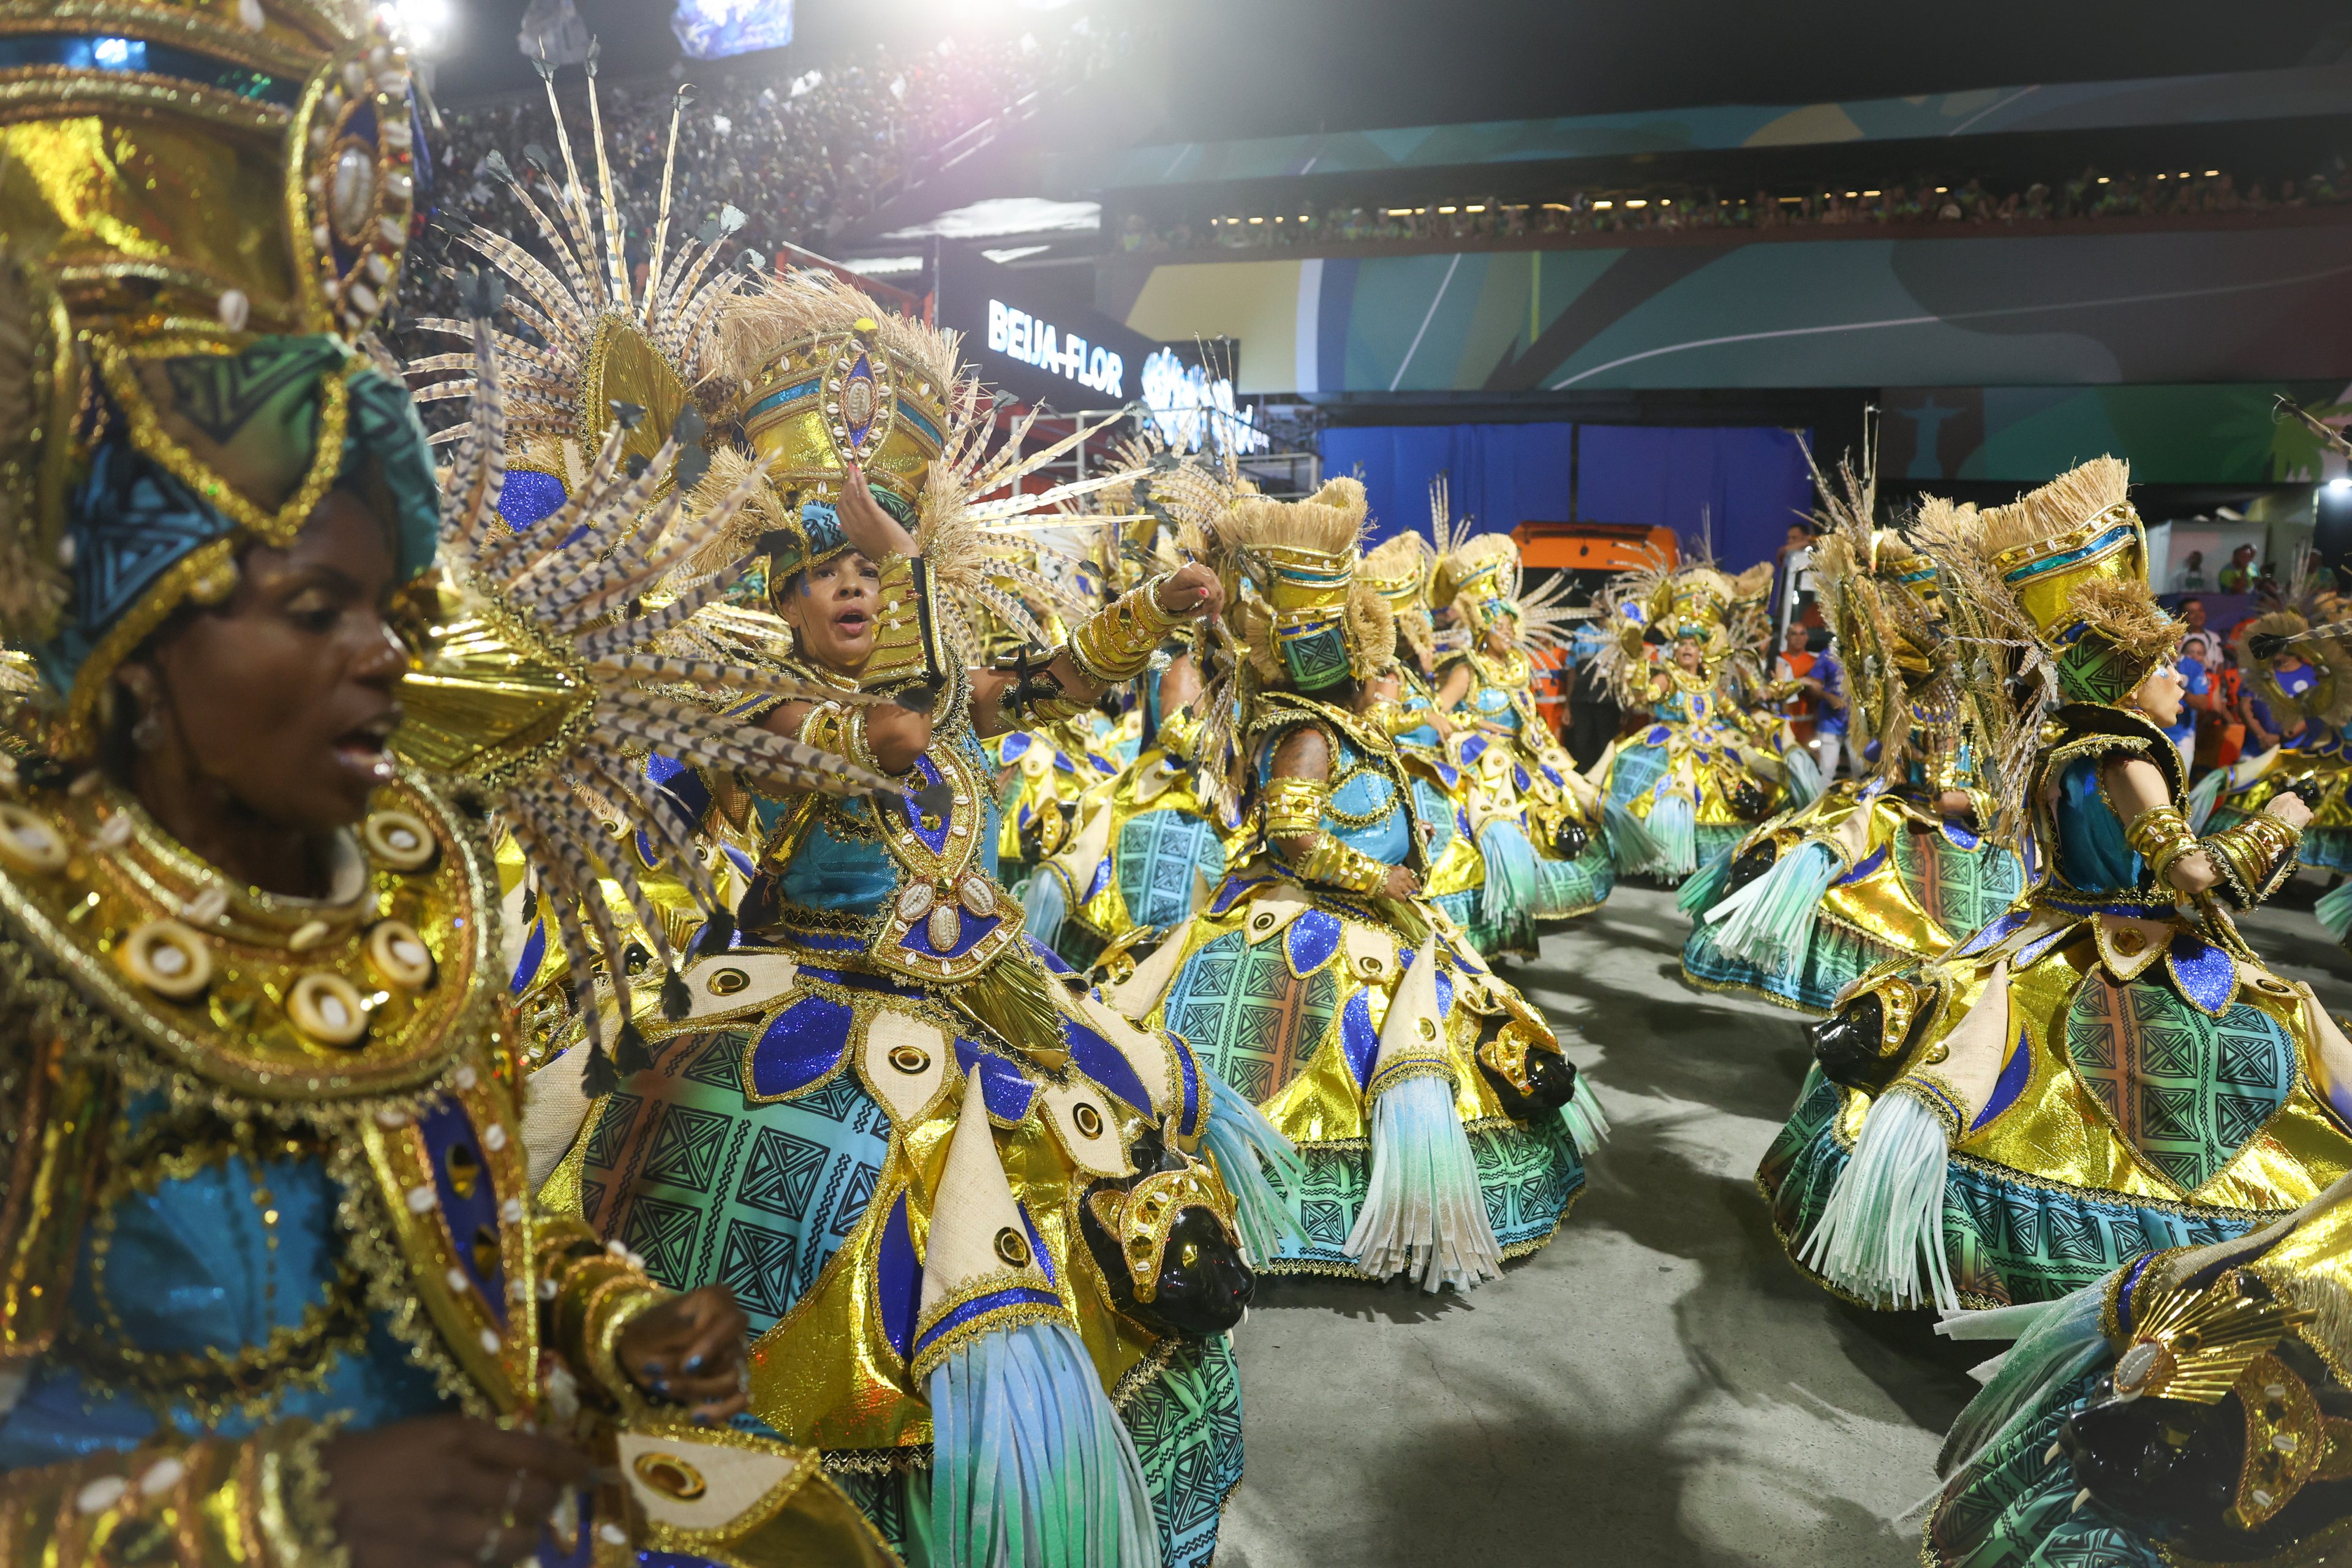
(1016,334)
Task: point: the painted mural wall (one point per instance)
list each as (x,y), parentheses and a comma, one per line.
(2251,304)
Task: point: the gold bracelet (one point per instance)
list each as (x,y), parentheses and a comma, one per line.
(1342,866)
(2255,855)
(2161,835)
(1291,805)
(1116,644)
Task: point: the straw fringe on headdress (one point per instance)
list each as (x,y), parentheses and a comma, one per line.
(2065,503)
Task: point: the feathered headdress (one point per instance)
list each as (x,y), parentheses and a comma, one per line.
(1294,599)
(1479,576)
(564,644)
(821,377)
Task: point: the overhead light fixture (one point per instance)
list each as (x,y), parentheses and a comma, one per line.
(1479,208)
(1852,195)
(1637,202)
(1869,193)
(2184,173)
(1941,189)
(2212,174)
(1257,220)
(2103,179)
(1445,209)
(2168,176)
(1396,212)
(1601,206)
(2339,486)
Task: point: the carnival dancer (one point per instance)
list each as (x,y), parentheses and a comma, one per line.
(2191,1406)
(1141,854)
(1445,795)
(966,1205)
(1536,822)
(1895,863)
(275,1292)
(1715,758)
(2108,1067)
(1425,1094)
(2298,666)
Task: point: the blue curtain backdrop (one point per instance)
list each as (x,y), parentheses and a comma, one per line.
(1736,487)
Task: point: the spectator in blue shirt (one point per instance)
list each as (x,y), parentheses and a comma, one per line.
(2197,696)
(1826,681)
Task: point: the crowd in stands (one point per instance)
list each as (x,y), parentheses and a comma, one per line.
(2090,195)
(793,154)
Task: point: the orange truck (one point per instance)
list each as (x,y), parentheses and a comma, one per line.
(1591,554)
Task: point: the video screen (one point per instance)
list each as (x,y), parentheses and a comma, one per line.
(712,29)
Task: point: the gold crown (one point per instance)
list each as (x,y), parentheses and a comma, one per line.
(2074,557)
(133,129)
(828,379)
(1398,569)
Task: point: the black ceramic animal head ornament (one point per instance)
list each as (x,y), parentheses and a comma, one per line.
(1863,1045)
(1167,1244)
(1525,1070)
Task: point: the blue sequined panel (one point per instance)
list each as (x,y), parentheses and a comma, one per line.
(710,1189)
(1158,854)
(214,1261)
(831,873)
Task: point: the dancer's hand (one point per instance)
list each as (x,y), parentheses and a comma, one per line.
(1402,883)
(2290,808)
(689,1351)
(1190,592)
(444,1491)
(868,527)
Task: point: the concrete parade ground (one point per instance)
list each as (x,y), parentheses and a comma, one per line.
(1659,1385)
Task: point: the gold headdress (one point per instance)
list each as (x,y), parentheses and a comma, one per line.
(887,393)
(1884,601)
(2073,556)
(1479,576)
(608,347)
(205,206)
(1297,613)
(134,128)
(1398,570)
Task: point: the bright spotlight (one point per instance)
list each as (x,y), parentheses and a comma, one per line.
(422,24)
(2339,487)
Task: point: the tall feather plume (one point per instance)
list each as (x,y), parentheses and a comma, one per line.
(598,595)
(2005,675)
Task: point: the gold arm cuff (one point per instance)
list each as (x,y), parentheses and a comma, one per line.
(1116,644)
(1293,805)
(2161,835)
(2255,855)
(1339,866)
(1179,733)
